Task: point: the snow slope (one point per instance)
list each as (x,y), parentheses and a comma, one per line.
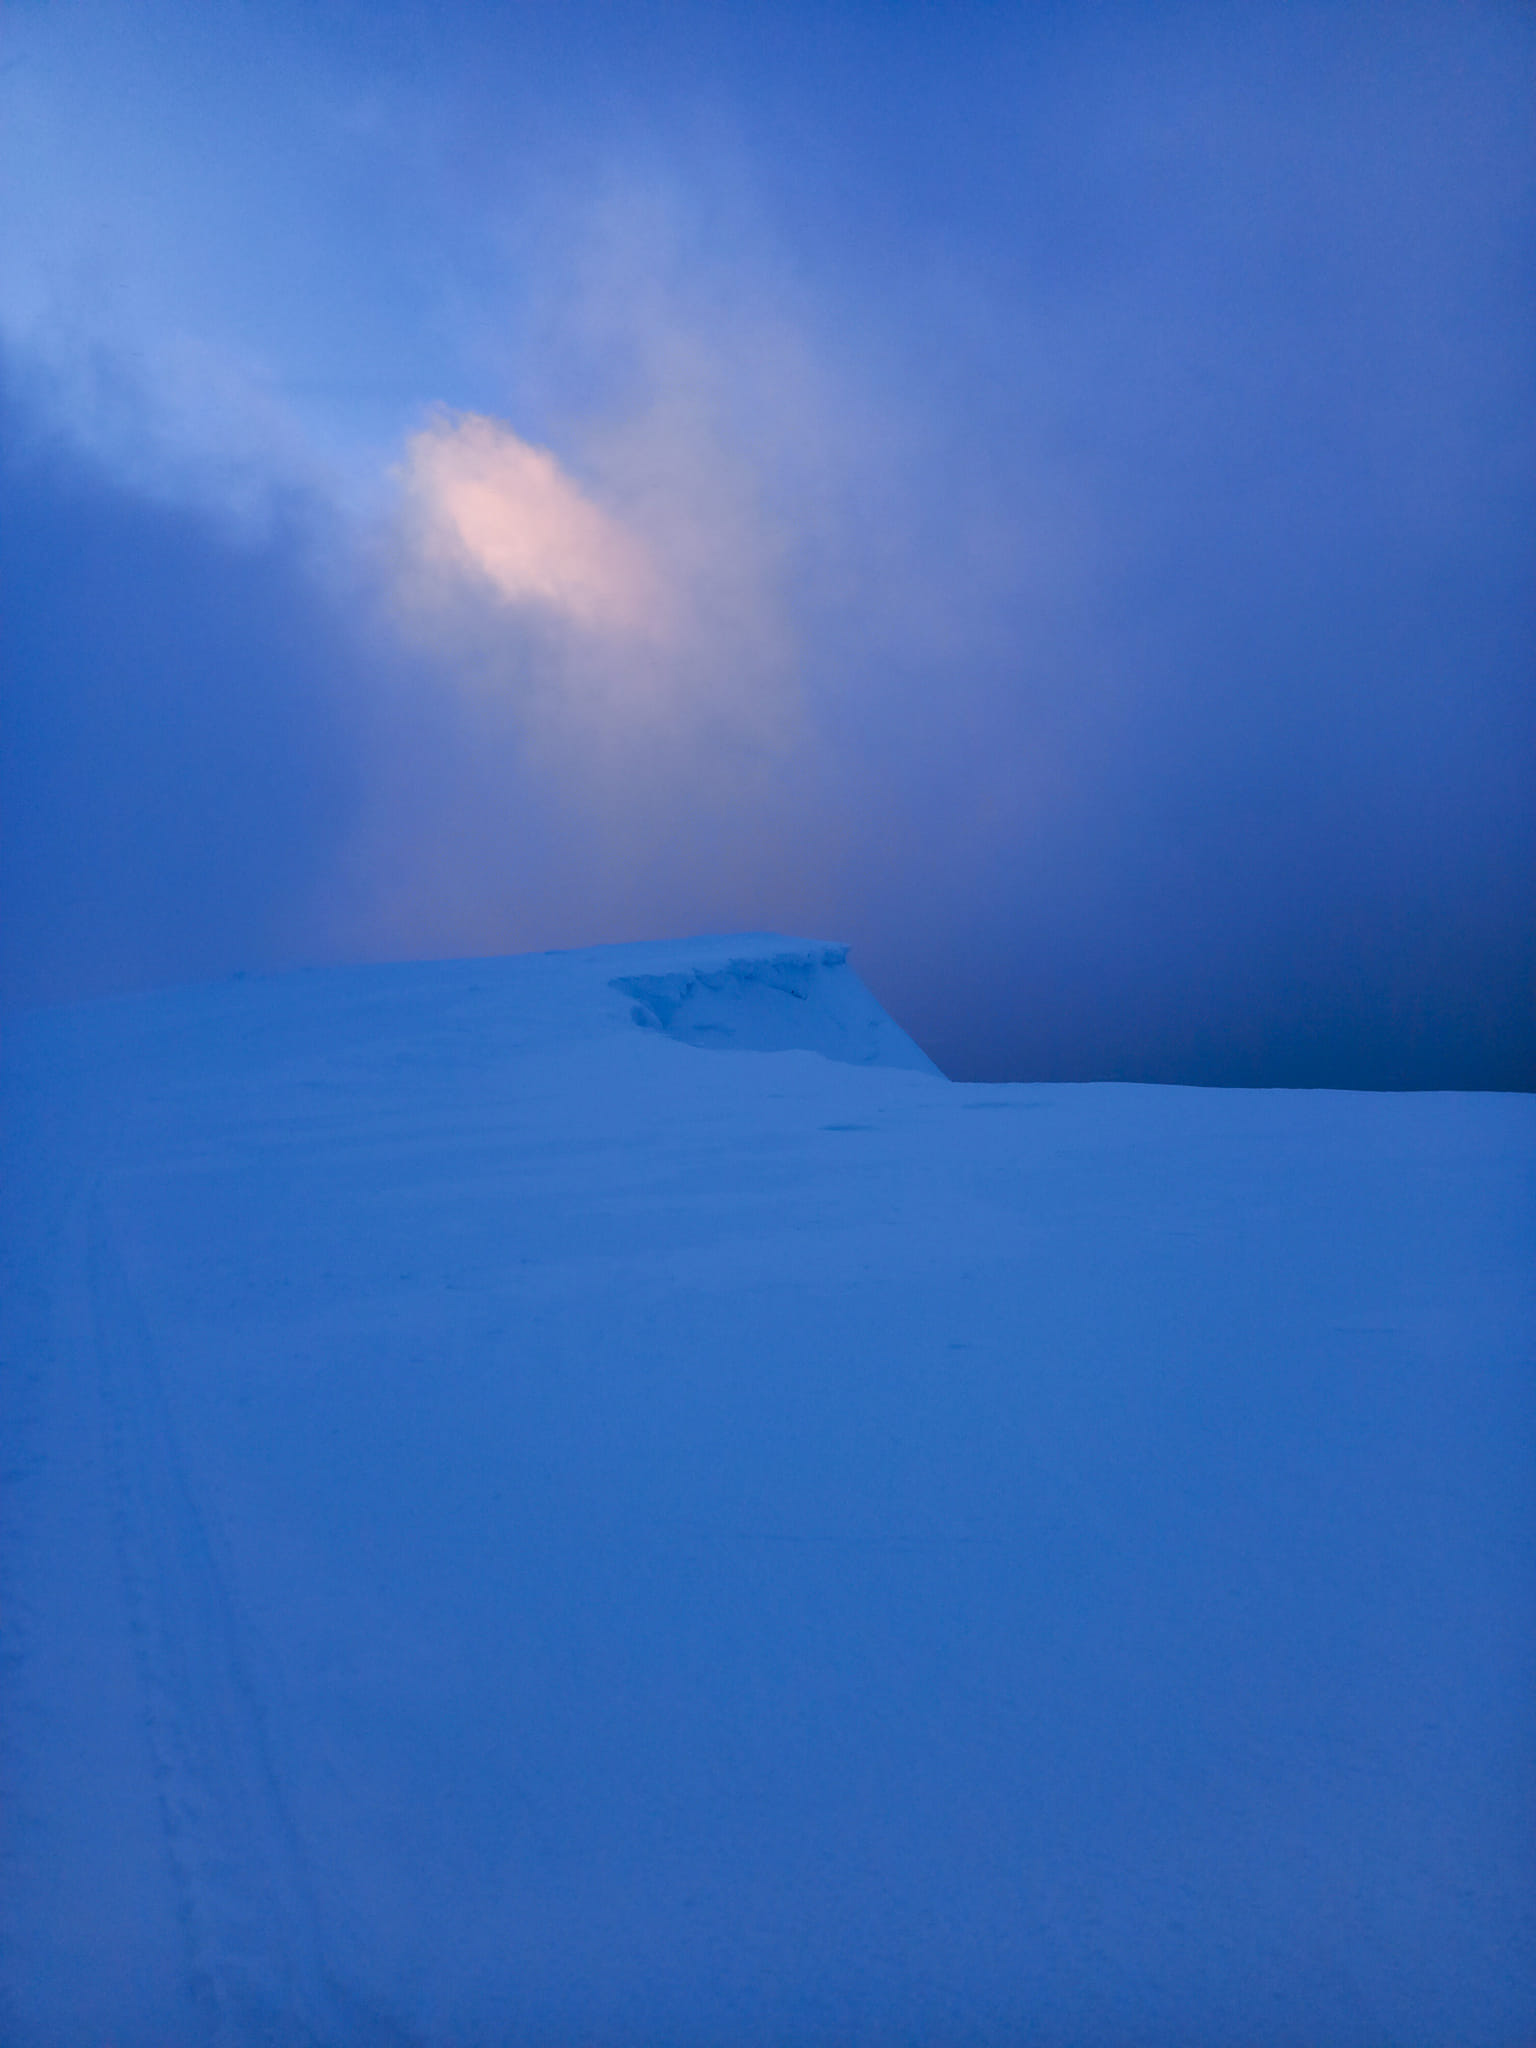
(518,1532)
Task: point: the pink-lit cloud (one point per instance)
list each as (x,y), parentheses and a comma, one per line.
(488,505)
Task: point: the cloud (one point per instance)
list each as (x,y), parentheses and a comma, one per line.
(486,503)
(591,718)
(1076,552)
(612,571)
(179,768)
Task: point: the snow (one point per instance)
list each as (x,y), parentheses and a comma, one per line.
(518,1530)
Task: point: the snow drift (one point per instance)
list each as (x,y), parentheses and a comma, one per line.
(764,996)
(517,1532)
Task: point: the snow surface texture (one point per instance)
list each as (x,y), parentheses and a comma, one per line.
(518,1532)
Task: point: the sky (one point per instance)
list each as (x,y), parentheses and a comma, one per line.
(1046,495)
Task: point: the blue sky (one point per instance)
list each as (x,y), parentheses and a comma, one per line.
(1044,494)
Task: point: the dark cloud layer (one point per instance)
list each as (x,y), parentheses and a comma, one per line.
(176,777)
(1089,470)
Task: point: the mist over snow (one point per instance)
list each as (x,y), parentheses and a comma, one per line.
(1047,495)
(595,1497)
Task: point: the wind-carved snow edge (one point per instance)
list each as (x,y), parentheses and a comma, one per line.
(805,999)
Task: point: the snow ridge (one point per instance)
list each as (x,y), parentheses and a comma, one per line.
(793,997)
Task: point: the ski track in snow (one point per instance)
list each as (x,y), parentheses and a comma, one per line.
(244,1901)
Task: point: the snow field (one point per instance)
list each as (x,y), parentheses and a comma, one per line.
(520,1530)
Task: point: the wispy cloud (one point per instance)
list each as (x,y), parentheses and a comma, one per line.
(486,504)
(608,561)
